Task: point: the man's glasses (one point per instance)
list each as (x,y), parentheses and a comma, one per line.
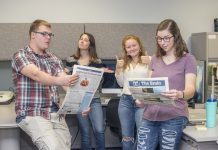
(45,34)
(165,39)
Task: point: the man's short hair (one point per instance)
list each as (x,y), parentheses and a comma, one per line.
(35,25)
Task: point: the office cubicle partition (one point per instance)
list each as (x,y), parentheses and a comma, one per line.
(14,36)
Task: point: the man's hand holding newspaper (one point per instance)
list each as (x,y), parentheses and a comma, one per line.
(80,95)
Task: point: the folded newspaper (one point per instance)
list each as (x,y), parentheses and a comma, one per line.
(149,90)
(80,95)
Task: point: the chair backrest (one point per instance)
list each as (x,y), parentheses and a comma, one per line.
(112,118)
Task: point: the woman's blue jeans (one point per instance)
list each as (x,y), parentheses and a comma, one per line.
(165,134)
(96,121)
(129,115)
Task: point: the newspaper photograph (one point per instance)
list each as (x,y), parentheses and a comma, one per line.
(149,90)
(80,95)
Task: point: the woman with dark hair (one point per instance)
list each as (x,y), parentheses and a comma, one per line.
(86,55)
(162,125)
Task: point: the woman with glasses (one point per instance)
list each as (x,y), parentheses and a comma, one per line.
(86,55)
(162,125)
(134,64)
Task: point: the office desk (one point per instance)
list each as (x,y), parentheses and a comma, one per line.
(111,140)
(9,131)
(194,139)
(12,138)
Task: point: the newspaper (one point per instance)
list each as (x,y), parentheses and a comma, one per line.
(80,95)
(150,89)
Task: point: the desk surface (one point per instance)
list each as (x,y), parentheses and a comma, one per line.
(7,116)
(211,134)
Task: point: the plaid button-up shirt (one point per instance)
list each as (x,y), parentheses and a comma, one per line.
(34,98)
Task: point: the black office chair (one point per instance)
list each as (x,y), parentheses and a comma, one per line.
(112,118)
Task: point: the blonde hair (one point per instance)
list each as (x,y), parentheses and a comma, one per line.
(36,24)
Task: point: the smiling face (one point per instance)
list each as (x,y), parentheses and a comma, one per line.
(169,39)
(84,42)
(132,48)
(165,40)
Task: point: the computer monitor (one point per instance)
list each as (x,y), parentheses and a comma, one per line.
(212,71)
(200,82)
(109,78)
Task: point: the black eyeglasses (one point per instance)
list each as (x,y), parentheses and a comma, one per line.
(165,39)
(45,34)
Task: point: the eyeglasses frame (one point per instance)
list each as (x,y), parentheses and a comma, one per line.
(45,34)
(164,39)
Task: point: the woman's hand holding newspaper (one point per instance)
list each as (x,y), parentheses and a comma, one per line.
(173,94)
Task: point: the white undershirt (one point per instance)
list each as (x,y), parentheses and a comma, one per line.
(140,71)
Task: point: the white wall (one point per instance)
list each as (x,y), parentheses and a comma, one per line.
(191,15)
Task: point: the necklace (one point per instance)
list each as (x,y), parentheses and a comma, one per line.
(84,61)
(134,64)
(169,60)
